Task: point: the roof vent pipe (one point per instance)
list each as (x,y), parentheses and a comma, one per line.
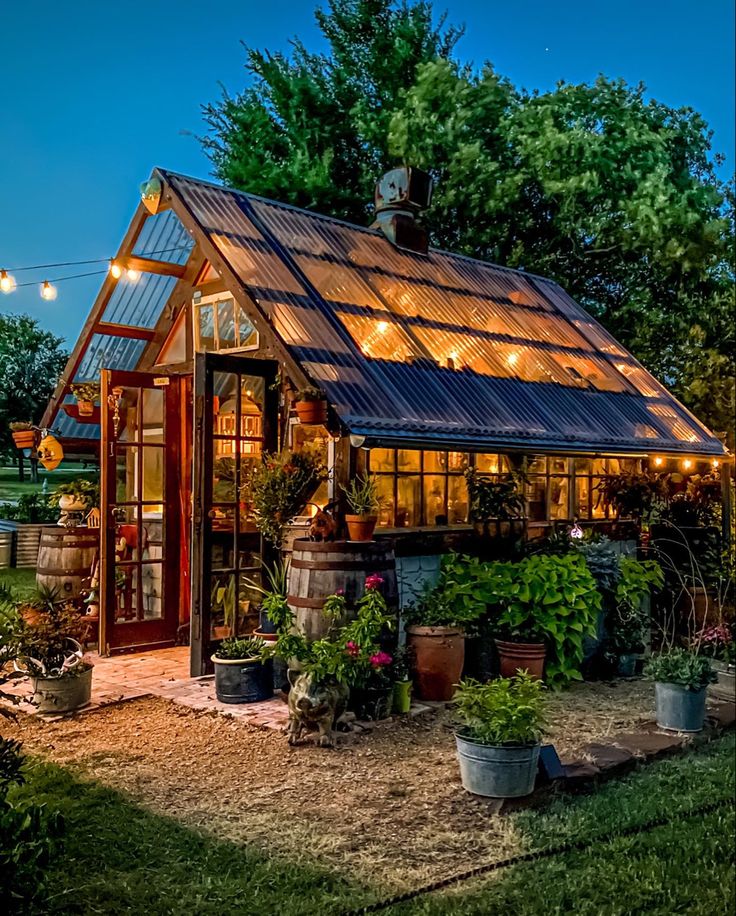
(400,196)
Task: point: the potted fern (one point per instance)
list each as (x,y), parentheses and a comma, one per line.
(499,738)
(364,502)
(310,405)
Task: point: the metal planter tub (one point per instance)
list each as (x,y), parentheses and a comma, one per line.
(497,771)
(62,694)
(243,680)
(679,709)
(725,688)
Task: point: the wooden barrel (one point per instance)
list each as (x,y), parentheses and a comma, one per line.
(65,558)
(320,569)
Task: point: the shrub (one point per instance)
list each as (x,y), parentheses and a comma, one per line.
(30,507)
(681,667)
(504,711)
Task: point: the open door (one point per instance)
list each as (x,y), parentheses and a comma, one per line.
(141,522)
(235,421)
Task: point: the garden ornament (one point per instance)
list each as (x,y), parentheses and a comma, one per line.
(314,704)
(323,526)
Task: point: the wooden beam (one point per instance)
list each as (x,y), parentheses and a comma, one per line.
(151,266)
(124,330)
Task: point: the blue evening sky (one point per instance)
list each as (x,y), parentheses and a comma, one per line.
(93,95)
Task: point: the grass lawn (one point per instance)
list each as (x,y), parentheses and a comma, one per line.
(116,857)
(22,581)
(11,488)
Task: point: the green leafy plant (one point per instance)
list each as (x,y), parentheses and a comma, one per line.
(445,604)
(682,667)
(603,562)
(273,592)
(310,393)
(641,496)
(86,391)
(279,487)
(362,495)
(242,648)
(87,491)
(44,648)
(20,426)
(29,508)
(489,499)
(628,621)
(506,711)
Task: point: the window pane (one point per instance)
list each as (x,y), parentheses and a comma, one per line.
(381,459)
(407,509)
(434,500)
(457,500)
(487,464)
(558,465)
(153,474)
(153,415)
(223,477)
(536,464)
(597,499)
(225,324)
(407,460)
(582,495)
(435,462)
(582,465)
(386,495)
(457,461)
(204,327)
(536,495)
(559,488)
(152,584)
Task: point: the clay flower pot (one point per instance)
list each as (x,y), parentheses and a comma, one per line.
(528,656)
(24,439)
(361,527)
(439,653)
(86,408)
(311,413)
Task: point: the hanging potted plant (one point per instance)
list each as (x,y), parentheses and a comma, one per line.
(242,674)
(499,738)
(681,678)
(310,405)
(24,434)
(50,654)
(87,394)
(364,502)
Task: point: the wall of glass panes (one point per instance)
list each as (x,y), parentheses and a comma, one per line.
(423,488)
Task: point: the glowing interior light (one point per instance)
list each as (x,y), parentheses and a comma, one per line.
(116,270)
(7,282)
(658,461)
(716,463)
(512,359)
(382,327)
(454,356)
(133,275)
(687,464)
(48,291)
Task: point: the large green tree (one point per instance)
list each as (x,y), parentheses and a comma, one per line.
(31,360)
(612,194)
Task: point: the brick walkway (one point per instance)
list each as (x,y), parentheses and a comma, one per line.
(163,673)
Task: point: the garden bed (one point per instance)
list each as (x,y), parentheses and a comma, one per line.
(388,808)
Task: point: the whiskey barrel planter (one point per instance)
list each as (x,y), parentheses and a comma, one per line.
(320,569)
(66,557)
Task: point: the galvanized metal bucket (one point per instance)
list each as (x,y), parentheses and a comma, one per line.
(497,771)
(678,708)
(62,694)
(243,680)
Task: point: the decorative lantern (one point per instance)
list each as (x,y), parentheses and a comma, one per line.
(50,453)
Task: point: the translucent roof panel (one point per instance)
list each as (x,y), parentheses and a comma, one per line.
(139,303)
(107,352)
(163,238)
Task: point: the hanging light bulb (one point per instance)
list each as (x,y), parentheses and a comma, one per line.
(715,463)
(48,290)
(687,464)
(658,461)
(7,282)
(133,275)
(116,270)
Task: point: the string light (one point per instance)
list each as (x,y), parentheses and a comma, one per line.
(133,275)
(7,282)
(716,463)
(687,464)
(658,461)
(48,291)
(116,270)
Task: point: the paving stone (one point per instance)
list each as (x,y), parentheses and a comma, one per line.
(722,713)
(649,744)
(580,774)
(609,759)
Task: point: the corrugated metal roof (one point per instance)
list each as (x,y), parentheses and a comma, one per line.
(438,347)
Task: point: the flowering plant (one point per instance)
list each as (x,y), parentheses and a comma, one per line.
(718,642)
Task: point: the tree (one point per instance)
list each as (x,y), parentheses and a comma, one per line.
(31,360)
(614,196)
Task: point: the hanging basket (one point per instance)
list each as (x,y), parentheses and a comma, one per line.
(86,408)
(26,438)
(311,413)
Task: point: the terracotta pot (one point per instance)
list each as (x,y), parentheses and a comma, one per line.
(24,439)
(86,408)
(222,632)
(311,413)
(439,653)
(526,655)
(361,527)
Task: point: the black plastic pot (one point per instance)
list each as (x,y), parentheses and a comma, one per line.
(247,680)
(370,704)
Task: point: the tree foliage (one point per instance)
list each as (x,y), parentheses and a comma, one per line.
(613,195)
(31,360)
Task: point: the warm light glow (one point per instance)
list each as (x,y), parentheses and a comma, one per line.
(687,464)
(454,356)
(7,282)
(512,359)
(716,463)
(48,291)
(133,275)
(658,462)
(382,327)
(116,270)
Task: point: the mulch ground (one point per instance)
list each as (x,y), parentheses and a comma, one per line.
(388,807)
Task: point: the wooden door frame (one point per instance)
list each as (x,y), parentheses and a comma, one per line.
(205,365)
(109,379)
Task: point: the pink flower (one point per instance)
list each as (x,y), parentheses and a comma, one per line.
(340,591)
(373,581)
(380,659)
(353,648)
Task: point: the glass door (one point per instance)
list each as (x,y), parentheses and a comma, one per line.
(141,528)
(236,421)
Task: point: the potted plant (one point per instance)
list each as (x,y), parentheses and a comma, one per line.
(86,394)
(76,495)
(23,434)
(628,625)
(719,645)
(223,601)
(499,740)
(242,674)
(494,500)
(681,677)
(275,614)
(401,674)
(364,502)
(310,405)
(436,638)
(49,652)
